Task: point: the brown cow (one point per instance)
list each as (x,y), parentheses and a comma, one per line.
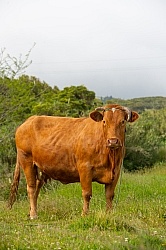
(72,150)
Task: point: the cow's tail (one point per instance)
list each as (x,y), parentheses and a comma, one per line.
(14,186)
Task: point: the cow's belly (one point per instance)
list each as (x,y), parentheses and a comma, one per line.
(64,172)
(63,175)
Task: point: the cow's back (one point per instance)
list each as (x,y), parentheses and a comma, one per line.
(42,128)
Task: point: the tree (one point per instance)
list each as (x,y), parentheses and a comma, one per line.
(75,101)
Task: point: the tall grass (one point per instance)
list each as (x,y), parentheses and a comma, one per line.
(138,220)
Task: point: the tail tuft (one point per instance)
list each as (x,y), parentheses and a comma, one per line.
(14,186)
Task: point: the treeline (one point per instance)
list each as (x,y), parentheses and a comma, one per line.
(139,104)
(26,96)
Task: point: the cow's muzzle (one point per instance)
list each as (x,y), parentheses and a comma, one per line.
(113,143)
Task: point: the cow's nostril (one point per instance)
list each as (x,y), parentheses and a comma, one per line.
(113,143)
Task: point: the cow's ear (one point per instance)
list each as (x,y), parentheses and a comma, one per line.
(96,116)
(134,116)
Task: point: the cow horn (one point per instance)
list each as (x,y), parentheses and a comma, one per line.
(128,113)
(100,109)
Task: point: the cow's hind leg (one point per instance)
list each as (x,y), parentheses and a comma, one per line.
(30,174)
(33,186)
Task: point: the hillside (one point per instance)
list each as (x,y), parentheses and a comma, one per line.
(140,104)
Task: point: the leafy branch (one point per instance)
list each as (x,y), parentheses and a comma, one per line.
(11,66)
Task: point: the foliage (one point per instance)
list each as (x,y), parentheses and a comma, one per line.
(146,140)
(75,101)
(142,103)
(137,221)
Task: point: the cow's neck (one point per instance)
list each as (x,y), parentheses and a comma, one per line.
(116,158)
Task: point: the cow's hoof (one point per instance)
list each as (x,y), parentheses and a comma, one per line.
(32,217)
(83,214)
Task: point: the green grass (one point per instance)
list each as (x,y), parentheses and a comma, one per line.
(138,220)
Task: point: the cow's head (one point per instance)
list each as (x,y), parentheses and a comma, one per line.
(114,118)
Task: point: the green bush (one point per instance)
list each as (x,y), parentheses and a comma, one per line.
(146,140)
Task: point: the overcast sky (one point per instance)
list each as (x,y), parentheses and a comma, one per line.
(113,47)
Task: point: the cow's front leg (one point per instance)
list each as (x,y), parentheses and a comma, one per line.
(109,194)
(86,184)
(86,194)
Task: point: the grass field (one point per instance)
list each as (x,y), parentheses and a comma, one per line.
(138,220)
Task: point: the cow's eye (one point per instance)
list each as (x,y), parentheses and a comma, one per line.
(104,122)
(123,122)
